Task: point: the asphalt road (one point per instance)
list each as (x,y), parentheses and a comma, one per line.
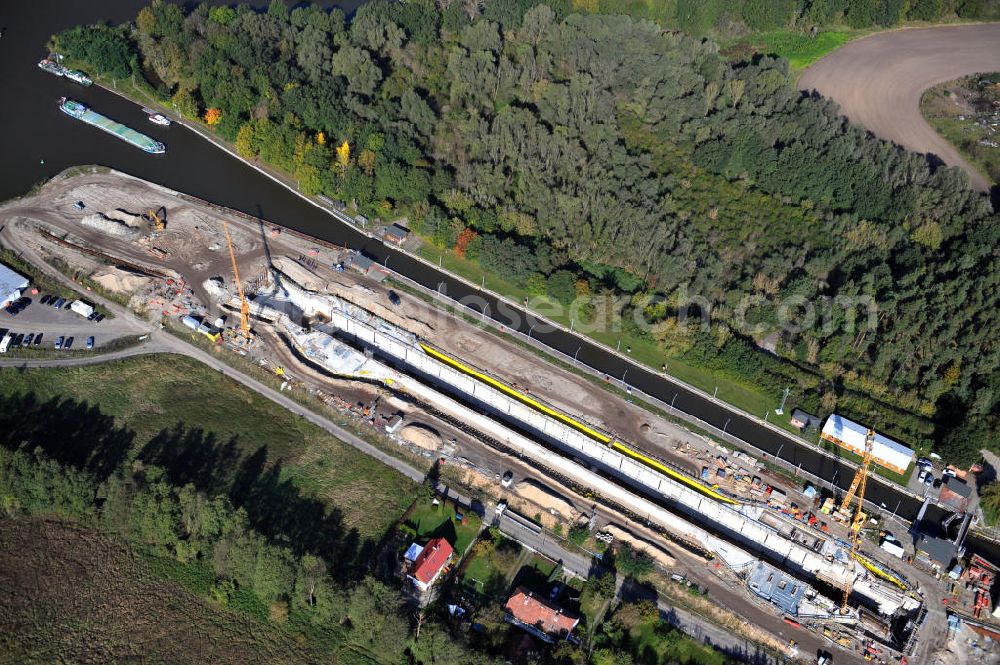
(878,81)
(577,563)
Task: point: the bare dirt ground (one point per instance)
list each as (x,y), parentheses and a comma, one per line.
(118,611)
(878,81)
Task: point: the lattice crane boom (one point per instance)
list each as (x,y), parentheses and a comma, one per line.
(857,488)
(244,306)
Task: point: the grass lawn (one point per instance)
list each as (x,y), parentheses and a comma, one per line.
(664,644)
(799,48)
(535,574)
(486,572)
(430,521)
(184,409)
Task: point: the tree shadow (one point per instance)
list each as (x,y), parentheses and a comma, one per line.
(193,456)
(79,435)
(71,432)
(276,508)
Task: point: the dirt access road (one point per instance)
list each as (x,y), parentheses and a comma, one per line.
(878,81)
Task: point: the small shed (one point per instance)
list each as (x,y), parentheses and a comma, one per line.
(396,234)
(804,420)
(360,262)
(413,552)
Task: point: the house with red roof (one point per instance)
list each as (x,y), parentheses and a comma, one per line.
(532,613)
(430,562)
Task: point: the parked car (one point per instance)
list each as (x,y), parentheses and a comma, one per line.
(394,298)
(46,299)
(59,303)
(949,472)
(59,342)
(23,302)
(38,339)
(923,461)
(922,476)
(79,205)
(28,339)
(90,342)
(68,305)
(93,315)
(929,478)
(69,343)
(100,317)
(17,340)
(13,310)
(507,478)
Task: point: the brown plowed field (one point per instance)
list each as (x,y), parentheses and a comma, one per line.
(71,595)
(878,81)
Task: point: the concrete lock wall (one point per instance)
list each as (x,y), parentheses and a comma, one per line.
(402,347)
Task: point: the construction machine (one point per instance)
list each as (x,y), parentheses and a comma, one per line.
(244,305)
(158,218)
(857,489)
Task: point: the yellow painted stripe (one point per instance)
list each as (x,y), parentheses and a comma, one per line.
(577,425)
(881,573)
(520,397)
(667,471)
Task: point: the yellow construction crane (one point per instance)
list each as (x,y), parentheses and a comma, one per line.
(244,306)
(857,489)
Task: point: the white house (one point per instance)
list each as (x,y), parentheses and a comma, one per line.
(11,285)
(852,436)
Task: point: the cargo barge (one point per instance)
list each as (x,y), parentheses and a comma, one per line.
(79,111)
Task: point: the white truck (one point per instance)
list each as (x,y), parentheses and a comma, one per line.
(5,342)
(82,308)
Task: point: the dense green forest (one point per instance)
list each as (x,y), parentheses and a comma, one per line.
(577,154)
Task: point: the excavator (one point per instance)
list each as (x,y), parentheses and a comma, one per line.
(158,218)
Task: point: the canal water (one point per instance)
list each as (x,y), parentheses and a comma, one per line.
(37,141)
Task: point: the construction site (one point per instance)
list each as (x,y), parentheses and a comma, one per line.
(332,325)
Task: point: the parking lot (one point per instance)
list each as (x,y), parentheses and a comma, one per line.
(52,323)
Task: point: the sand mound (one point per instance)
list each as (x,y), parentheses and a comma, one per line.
(656,552)
(421,435)
(126,218)
(119,281)
(546,497)
(112,227)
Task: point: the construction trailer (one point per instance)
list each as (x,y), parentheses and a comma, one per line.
(82,308)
